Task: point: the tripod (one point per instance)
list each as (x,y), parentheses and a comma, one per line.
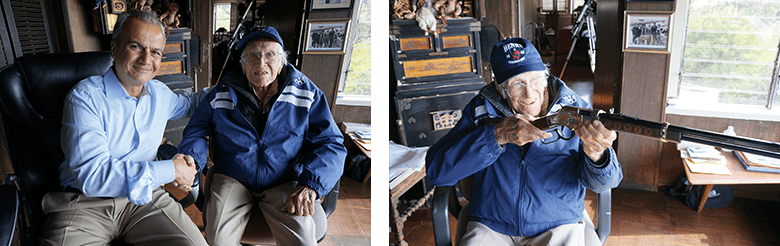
(585,18)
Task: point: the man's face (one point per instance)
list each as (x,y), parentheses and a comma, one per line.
(138,53)
(525,92)
(262,62)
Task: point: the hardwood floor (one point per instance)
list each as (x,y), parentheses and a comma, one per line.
(653,218)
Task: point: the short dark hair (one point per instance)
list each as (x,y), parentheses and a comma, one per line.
(145,16)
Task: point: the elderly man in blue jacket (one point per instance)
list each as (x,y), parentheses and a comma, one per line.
(528,185)
(274,144)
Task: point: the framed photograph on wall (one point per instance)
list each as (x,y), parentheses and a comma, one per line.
(647,31)
(326,36)
(330,4)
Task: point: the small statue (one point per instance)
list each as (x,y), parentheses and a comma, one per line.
(426,18)
(143,5)
(449,9)
(403,10)
(170,19)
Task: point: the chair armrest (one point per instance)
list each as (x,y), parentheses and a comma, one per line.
(9,209)
(441,222)
(604,215)
(329,203)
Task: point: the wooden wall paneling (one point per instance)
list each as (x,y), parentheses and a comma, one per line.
(357,114)
(644,86)
(77,16)
(203,21)
(607,79)
(503,15)
(324,72)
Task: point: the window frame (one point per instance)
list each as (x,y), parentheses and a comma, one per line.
(342,98)
(769,112)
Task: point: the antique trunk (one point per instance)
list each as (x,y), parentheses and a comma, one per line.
(435,76)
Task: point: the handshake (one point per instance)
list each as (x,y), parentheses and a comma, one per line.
(186,169)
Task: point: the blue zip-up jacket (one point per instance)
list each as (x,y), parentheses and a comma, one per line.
(300,141)
(516,193)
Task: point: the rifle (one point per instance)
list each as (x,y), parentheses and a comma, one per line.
(568,116)
(234,40)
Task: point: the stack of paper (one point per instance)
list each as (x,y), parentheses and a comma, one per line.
(706,160)
(404,161)
(361,133)
(759,163)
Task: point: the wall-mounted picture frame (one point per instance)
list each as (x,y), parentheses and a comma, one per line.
(326,36)
(330,4)
(647,31)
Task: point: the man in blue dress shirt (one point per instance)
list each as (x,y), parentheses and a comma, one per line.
(112,126)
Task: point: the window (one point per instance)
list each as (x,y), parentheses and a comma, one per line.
(221,16)
(727,60)
(356,88)
(562,5)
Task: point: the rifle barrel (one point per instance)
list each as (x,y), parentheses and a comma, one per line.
(671,133)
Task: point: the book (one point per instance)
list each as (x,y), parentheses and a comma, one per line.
(758,163)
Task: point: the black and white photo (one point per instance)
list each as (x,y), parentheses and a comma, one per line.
(326,36)
(647,31)
(330,4)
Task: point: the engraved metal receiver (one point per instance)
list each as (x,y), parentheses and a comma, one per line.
(569,116)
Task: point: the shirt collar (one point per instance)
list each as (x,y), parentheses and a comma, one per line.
(115,90)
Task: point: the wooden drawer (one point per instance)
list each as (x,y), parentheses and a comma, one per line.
(453,54)
(175,64)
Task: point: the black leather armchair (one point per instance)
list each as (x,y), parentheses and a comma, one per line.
(445,199)
(32,95)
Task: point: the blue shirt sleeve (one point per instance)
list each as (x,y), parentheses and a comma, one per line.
(90,164)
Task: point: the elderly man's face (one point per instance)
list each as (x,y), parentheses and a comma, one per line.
(138,53)
(525,92)
(262,62)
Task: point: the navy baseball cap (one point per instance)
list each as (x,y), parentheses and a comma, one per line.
(257,33)
(514,56)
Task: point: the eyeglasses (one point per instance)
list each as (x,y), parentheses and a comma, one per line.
(516,88)
(271,57)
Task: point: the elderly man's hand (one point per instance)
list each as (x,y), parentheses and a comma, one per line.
(518,130)
(596,138)
(185,171)
(301,202)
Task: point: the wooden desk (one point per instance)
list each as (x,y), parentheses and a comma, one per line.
(349,133)
(739,175)
(397,220)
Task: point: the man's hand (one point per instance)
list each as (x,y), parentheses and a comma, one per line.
(185,171)
(595,138)
(518,130)
(301,202)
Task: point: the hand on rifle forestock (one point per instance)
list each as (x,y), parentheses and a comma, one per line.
(595,138)
(517,129)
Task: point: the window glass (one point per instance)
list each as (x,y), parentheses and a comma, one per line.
(358,75)
(222,16)
(730,52)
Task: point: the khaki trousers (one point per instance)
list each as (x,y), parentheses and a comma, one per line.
(228,208)
(571,234)
(75,219)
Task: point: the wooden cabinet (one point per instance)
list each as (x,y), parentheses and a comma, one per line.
(435,77)
(175,66)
